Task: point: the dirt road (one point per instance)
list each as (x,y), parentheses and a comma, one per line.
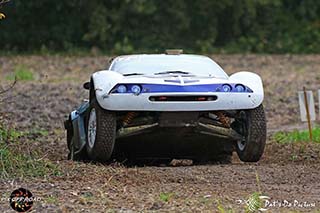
(286,172)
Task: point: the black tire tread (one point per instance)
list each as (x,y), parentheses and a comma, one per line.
(105,135)
(257,134)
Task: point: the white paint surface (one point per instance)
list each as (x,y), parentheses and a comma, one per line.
(310,100)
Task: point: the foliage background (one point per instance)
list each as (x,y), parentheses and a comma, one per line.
(125,26)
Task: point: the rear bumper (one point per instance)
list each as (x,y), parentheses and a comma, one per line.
(225,101)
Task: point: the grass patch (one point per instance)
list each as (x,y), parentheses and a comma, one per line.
(297,136)
(22,73)
(165,197)
(51,199)
(17,161)
(41,132)
(223,209)
(9,134)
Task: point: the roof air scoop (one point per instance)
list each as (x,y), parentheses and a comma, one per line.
(174,52)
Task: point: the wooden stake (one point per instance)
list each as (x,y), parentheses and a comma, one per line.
(308,113)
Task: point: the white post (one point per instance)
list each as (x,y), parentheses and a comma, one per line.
(303,111)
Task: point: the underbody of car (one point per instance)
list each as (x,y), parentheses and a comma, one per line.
(173,114)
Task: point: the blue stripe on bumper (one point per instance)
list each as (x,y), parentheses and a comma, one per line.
(165,88)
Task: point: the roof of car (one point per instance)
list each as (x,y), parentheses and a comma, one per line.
(159,56)
(151,63)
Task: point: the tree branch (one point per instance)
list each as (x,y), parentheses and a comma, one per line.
(10,87)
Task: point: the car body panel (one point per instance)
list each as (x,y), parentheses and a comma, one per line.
(78,125)
(105,81)
(154,63)
(230,101)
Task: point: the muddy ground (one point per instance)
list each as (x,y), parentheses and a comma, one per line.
(286,172)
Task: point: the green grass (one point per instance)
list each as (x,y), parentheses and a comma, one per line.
(22,73)
(41,132)
(9,134)
(297,136)
(16,161)
(222,209)
(165,197)
(52,200)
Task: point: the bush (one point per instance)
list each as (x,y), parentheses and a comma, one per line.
(273,26)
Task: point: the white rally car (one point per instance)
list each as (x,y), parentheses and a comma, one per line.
(169,105)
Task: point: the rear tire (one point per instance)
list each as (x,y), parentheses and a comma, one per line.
(251,148)
(101,133)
